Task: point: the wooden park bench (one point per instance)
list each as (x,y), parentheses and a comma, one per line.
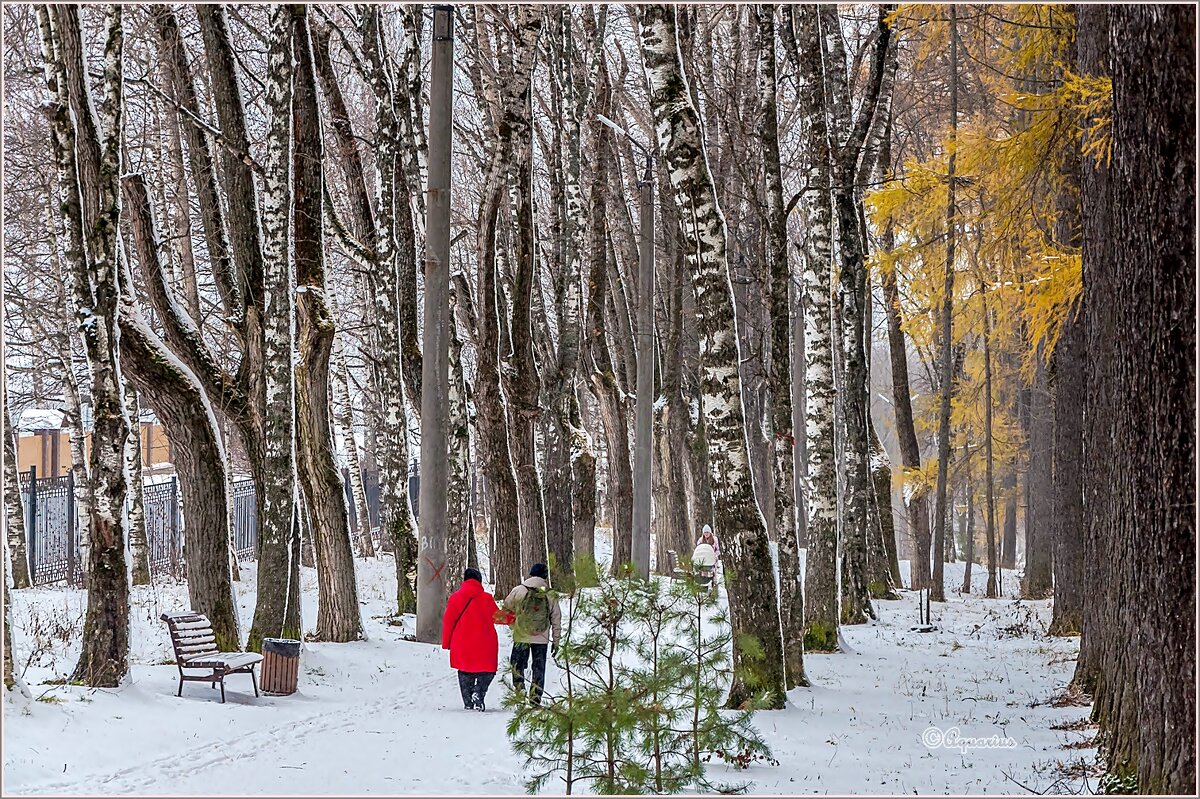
(196,648)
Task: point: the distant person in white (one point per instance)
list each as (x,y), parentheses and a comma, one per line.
(708,537)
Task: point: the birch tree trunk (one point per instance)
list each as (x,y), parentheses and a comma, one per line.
(754,611)
(562,383)
(343,416)
(338,614)
(14,509)
(791,599)
(136,507)
(395,505)
(104,660)
(276,614)
(860,512)
(821,579)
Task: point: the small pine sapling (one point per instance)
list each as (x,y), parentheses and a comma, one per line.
(645,669)
(661,708)
(704,637)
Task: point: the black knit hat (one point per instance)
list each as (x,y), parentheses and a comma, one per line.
(539,570)
(472,574)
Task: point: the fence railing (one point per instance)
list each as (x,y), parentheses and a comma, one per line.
(52,523)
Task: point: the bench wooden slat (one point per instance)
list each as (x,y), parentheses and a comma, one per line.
(194,639)
(194,625)
(223,660)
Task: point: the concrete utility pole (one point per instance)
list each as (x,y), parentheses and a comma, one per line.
(432,580)
(644,405)
(644,408)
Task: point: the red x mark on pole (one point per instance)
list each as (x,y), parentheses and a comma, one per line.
(437,570)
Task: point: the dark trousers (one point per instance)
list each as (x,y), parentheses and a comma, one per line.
(519,659)
(474,682)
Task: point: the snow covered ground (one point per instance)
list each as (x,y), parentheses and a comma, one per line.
(383,716)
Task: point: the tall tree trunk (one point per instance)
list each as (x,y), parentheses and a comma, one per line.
(567,207)
(136,507)
(343,416)
(993,588)
(820,579)
(674,530)
(1139,304)
(883,562)
(275,613)
(10,680)
(522,383)
(182,91)
(937,592)
(394,249)
(1070,394)
(753,605)
(791,595)
(338,614)
(917,502)
(605,378)
(859,516)
(104,659)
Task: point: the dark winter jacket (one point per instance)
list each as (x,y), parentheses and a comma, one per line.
(468,628)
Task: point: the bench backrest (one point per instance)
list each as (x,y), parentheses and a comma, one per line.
(191,635)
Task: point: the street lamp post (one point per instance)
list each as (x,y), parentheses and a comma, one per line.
(644,403)
(432,580)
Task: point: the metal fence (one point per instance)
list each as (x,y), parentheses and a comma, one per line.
(52,524)
(50,538)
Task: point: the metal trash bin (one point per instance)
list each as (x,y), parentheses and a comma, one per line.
(280,666)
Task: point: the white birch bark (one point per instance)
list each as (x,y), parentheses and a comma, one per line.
(753,604)
(820,487)
(395,506)
(104,660)
(275,615)
(138,549)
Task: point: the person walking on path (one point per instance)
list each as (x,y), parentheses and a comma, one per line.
(469,632)
(536,620)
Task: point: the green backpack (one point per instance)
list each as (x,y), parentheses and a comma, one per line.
(535,611)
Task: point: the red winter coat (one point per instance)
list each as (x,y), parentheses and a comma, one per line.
(468,628)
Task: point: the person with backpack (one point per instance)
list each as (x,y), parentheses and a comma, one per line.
(536,625)
(469,632)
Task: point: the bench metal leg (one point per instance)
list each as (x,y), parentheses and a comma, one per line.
(253,681)
(222,689)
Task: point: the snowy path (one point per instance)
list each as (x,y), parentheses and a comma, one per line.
(383,716)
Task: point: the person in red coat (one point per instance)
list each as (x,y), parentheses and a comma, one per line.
(469,632)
